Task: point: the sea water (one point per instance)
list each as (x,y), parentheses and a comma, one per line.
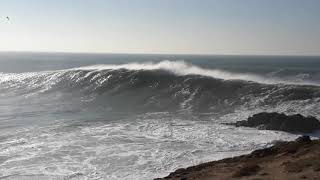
(126,116)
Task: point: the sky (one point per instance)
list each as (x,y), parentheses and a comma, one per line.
(268,27)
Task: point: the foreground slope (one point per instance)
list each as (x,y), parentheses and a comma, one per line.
(298,159)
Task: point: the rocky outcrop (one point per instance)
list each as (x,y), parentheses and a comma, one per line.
(281,122)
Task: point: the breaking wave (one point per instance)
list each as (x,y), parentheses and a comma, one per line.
(182,68)
(164,85)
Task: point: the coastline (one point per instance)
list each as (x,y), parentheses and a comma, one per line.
(299,159)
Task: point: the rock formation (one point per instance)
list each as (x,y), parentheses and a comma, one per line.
(281,122)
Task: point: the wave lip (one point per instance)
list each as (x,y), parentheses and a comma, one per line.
(183,68)
(179,68)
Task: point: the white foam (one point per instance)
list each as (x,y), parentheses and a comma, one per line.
(145,147)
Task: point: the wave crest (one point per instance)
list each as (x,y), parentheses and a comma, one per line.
(183,68)
(161,86)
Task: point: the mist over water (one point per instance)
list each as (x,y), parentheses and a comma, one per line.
(86,116)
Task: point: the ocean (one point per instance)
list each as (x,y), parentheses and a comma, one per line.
(133,116)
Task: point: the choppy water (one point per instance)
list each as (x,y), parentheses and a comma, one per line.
(99,116)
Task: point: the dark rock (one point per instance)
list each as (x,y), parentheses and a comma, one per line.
(303,139)
(281,122)
(262,152)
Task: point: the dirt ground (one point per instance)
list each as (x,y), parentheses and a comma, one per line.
(298,159)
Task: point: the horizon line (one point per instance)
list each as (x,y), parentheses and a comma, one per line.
(158,53)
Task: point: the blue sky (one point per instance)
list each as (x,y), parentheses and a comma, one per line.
(162,26)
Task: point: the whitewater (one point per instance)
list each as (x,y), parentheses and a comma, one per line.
(141,116)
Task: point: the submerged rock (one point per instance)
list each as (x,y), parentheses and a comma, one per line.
(281,122)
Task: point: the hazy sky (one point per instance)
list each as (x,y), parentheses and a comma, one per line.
(162,26)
